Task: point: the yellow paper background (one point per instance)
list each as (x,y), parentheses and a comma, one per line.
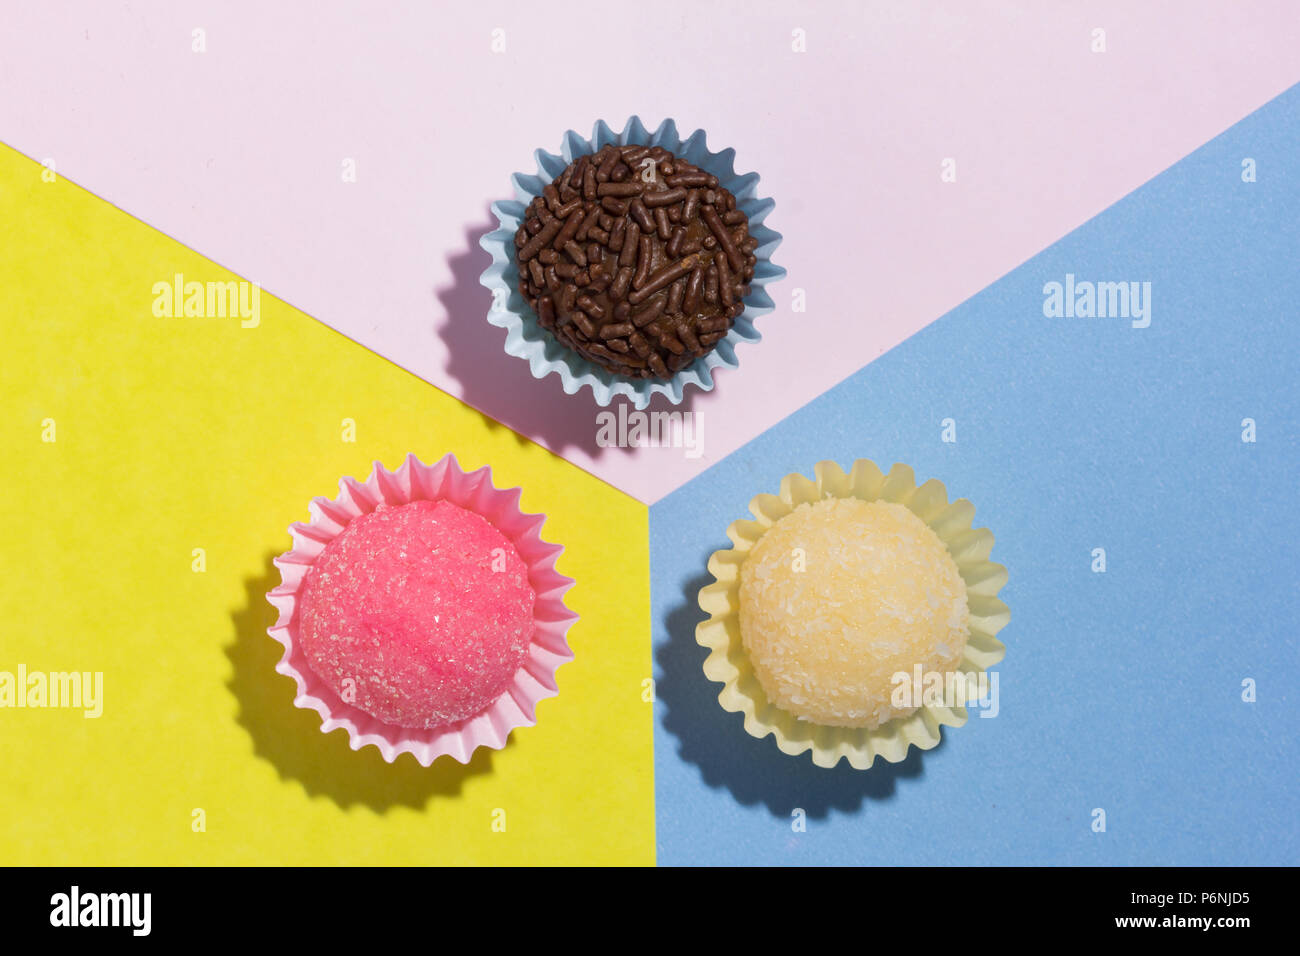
(181,433)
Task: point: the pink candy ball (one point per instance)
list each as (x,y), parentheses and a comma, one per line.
(419,614)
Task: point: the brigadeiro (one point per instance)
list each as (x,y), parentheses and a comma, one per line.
(636,259)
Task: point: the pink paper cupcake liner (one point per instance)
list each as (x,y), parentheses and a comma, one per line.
(473,491)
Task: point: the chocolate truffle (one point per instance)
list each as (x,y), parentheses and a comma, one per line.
(418,614)
(839,596)
(636,259)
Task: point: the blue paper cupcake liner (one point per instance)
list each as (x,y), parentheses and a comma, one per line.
(525,336)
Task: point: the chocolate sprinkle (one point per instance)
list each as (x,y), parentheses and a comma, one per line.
(640,268)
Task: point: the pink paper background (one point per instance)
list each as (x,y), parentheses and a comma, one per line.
(237,153)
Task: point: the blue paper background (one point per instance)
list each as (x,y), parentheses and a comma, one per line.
(1119,690)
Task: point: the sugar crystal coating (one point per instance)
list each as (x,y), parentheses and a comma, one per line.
(419,614)
(839,596)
